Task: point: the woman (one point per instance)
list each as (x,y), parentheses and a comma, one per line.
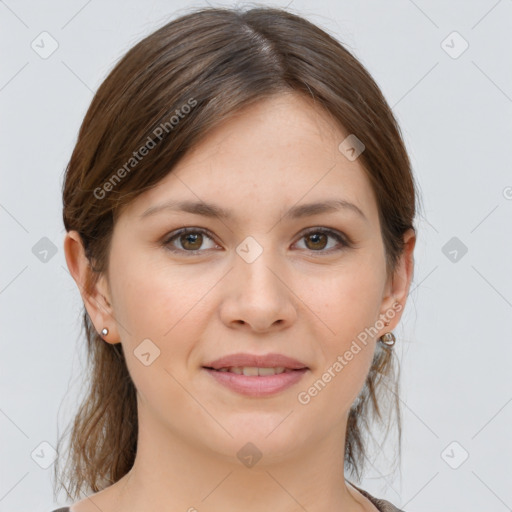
(239,210)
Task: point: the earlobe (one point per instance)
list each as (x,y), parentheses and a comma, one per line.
(93,287)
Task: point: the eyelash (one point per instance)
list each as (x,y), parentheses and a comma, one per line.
(343,240)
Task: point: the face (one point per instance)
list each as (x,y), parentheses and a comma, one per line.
(271,277)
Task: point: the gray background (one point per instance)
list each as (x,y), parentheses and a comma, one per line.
(454,342)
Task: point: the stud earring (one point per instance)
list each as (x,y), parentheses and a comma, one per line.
(388,339)
(104,332)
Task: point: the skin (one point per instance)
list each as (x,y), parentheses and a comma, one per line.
(303,297)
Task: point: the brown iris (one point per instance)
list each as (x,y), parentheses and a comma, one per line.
(193,238)
(319,239)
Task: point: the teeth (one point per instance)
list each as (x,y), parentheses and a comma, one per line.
(270,371)
(253,371)
(250,370)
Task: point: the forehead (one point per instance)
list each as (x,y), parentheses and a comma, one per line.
(280,151)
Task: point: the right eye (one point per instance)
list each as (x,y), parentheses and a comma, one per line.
(190,239)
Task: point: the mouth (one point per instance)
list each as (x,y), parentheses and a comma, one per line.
(256,375)
(255,382)
(252,364)
(253,371)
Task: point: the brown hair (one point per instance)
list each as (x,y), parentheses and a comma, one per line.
(215,60)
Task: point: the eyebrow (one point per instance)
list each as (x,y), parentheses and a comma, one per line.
(218,212)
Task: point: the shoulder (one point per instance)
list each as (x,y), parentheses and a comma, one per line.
(381,505)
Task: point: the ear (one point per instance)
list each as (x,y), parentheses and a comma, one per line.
(93,287)
(397,286)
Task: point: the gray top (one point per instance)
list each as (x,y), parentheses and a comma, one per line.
(382,505)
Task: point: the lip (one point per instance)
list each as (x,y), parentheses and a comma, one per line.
(257,386)
(256,360)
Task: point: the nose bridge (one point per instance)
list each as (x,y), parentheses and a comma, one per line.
(256,265)
(258,296)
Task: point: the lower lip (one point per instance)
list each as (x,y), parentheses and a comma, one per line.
(253,385)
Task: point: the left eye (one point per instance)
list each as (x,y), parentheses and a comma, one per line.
(191,240)
(319,237)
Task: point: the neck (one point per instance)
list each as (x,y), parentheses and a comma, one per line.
(173,473)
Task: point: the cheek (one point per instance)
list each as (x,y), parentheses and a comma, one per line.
(348,301)
(162,305)
(157,301)
(168,306)
(348,305)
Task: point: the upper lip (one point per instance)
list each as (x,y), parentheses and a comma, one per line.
(254,360)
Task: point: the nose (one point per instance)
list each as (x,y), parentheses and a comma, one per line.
(257,296)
